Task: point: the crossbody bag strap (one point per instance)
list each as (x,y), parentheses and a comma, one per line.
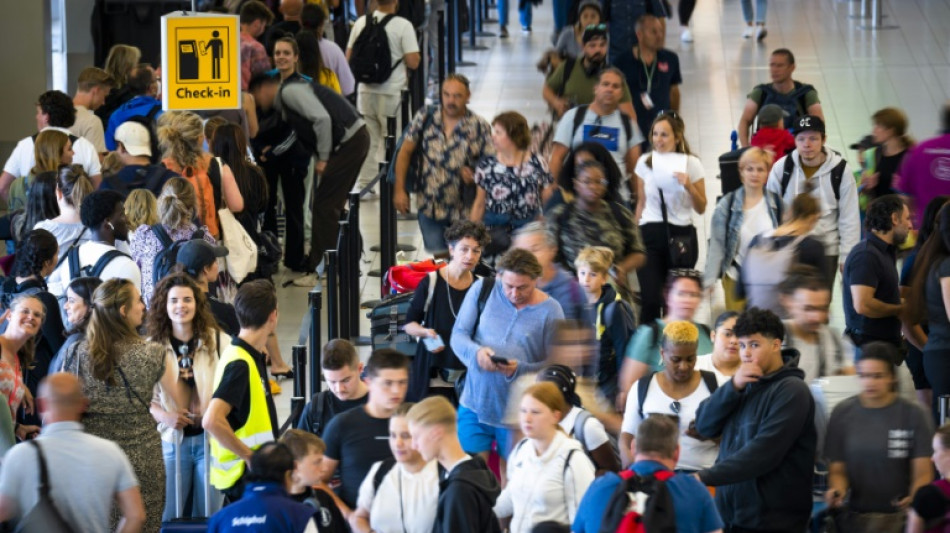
(44,487)
(666,221)
(129,390)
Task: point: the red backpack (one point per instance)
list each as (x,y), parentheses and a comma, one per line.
(640,504)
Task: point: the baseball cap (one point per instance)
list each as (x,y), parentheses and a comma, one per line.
(135,138)
(771,113)
(590,3)
(809,123)
(197,254)
(594,31)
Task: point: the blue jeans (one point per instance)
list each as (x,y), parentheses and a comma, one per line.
(502,219)
(524,15)
(560,8)
(192,470)
(433,233)
(761,6)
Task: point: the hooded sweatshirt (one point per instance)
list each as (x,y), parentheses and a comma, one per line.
(839,225)
(564,288)
(767,455)
(466,499)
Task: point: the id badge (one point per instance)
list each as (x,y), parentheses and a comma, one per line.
(647,101)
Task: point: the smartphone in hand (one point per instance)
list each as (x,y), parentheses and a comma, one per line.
(499,360)
(433,344)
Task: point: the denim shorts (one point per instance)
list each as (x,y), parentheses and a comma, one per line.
(477,437)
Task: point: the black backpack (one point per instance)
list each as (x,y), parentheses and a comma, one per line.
(837,173)
(792,103)
(372,61)
(76,270)
(166,259)
(151,177)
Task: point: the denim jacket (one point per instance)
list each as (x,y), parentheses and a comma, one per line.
(723,241)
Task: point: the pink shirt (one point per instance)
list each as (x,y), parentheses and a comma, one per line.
(254,59)
(925,173)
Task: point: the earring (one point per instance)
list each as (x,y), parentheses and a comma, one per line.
(111,226)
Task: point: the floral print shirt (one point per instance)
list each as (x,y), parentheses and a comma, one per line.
(611,226)
(146,246)
(11,385)
(514,191)
(443,156)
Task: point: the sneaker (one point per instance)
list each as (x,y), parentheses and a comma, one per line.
(309,280)
(747,32)
(526,29)
(760,33)
(686,36)
(503,34)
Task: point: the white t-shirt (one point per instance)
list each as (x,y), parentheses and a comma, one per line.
(89,253)
(22,159)
(705,362)
(595,435)
(405,502)
(694,454)
(679,205)
(402,41)
(89,127)
(755,221)
(811,354)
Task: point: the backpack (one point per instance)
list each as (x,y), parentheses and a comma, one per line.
(10,290)
(76,270)
(577,433)
(792,103)
(385,466)
(168,256)
(582,112)
(643,385)
(44,516)
(150,177)
(836,175)
(764,267)
(372,61)
(640,504)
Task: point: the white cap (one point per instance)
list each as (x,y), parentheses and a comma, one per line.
(135,137)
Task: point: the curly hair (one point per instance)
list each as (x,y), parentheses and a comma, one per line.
(881,210)
(74,184)
(83,287)
(179,134)
(48,151)
(98,206)
(600,154)
(27,352)
(58,107)
(178,203)
(759,321)
(36,249)
(680,332)
(461,229)
(159,325)
(107,327)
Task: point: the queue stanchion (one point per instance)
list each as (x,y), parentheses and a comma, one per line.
(345,272)
(333,294)
(299,399)
(487,6)
(440,31)
(875,11)
(474,26)
(387,255)
(451,28)
(355,251)
(316,344)
(419,78)
(405,109)
(943,405)
(457,44)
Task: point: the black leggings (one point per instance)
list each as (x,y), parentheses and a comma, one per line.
(937,370)
(652,275)
(685,9)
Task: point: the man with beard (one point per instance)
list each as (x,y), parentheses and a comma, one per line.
(452,140)
(573,82)
(602,122)
(872,298)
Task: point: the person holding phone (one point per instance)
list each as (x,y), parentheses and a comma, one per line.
(433,311)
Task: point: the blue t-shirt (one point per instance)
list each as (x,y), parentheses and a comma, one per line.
(694,507)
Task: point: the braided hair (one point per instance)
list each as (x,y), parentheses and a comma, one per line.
(37,249)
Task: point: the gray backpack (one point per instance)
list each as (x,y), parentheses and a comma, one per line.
(764,267)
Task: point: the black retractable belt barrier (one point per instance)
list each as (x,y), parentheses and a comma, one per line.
(299,399)
(451,31)
(474,26)
(943,404)
(456,38)
(345,271)
(442,50)
(354,252)
(387,212)
(316,344)
(333,294)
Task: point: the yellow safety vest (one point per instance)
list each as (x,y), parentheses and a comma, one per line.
(226,466)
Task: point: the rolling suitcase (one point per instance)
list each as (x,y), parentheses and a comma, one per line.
(193,524)
(729,170)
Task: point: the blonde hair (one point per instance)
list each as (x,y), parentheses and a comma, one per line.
(74,184)
(548,394)
(112,164)
(120,62)
(48,150)
(141,208)
(433,411)
(680,332)
(302,443)
(755,153)
(107,327)
(178,203)
(597,258)
(179,135)
(27,352)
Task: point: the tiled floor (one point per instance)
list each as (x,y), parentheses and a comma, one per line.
(855,71)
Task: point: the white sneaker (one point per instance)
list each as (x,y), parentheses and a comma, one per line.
(760,33)
(309,281)
(747,32)
(686,36)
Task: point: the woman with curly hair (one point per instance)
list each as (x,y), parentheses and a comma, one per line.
(182,322)
(119,370)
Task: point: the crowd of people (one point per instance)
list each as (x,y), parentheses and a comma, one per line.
(563,379)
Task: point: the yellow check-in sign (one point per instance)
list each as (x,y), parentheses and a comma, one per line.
(201,61)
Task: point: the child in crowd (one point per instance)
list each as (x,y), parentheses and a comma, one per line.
(772,135)
(306,486)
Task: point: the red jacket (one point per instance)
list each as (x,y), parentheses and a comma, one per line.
(779,141)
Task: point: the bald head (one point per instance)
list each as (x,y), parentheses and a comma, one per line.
(291,9)
(60,398)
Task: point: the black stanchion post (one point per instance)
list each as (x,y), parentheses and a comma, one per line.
(404,108)
(451,29)
(316,342)
(442,56)
(333,293)
(457,23)
(943,404)
(300,366)
(481,9)
(344,257)
(474,26)
(355,251)
(387,220)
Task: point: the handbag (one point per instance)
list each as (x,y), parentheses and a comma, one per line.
(500,240)
(242,250)
(683,247)
(44,517)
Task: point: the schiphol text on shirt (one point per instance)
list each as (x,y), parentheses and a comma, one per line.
(207,92)
(239,521)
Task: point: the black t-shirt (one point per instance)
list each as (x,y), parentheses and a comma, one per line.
(887,166)
(233,388)
(225,316)
(442,312)
(316,422)
(658,79)
(872,263)
(328,517)
(356,440)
